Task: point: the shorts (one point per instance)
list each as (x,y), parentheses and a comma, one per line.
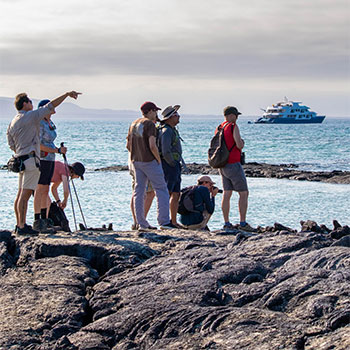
(47,168)
(149,187)
(233,178)
(28,179)
(172,176)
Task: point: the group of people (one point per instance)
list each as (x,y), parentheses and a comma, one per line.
(31,136)
(155,164)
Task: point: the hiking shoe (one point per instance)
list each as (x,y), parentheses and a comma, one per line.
(146,229)
(246,228)
(228,226)
(26,230)
(41,226)
(169,226)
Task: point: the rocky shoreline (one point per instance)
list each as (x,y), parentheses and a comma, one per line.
(262,170)
(104,289)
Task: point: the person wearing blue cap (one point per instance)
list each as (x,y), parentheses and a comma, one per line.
(47,164)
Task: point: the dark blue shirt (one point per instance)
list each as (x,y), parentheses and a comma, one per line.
(202,201)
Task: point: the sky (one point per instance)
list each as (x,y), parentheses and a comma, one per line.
(201,54)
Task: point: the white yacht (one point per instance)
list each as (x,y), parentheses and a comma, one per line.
(289,112)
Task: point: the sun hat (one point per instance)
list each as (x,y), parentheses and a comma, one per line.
(231,110)
(149,106)
(78,169)
(169,111)
(43,103)
(205,178)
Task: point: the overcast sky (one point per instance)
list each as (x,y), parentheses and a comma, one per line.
(201,54)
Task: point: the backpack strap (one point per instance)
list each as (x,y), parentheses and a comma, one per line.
(223,127)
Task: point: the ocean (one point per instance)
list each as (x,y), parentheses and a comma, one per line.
(105,196)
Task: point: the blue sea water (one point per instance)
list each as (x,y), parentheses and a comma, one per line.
(105,196)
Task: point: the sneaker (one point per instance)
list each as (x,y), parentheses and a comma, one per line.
(146,229)
(169,226)
(134,227)
(26,230)
(228,226)
(41,226)
(247,228)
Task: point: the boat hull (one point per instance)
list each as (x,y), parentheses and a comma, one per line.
(314,120)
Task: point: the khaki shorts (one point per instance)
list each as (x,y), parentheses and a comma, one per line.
(233,178)
(29,178)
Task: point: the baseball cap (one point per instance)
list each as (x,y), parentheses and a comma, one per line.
(43,103)
(78,169)
(149,106)
(231,110)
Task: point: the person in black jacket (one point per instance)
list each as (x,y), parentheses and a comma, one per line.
(203,205)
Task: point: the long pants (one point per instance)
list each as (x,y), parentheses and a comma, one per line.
(153,172)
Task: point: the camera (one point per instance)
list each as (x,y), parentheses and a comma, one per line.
(219,191)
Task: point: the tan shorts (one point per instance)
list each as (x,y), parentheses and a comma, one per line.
(203,224)
(29,178)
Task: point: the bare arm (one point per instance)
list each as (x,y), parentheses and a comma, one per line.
(58,100)
(154,148)
(237,137)
(53,150)
(54,191)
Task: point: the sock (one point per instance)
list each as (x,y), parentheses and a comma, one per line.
(36,216)
(43,213)
(243,223)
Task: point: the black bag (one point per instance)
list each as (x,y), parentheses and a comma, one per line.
(16,164)
(186,201)
(218,152)
(57,215)
(242,158)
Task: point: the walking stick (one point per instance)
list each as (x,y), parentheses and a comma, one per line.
(70,193)
(81,211)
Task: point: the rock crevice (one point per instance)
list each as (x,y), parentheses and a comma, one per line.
(176,290)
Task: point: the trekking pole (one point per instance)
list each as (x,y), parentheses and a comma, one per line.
(70,193)
(81,211)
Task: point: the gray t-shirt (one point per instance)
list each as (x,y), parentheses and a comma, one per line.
(23,133)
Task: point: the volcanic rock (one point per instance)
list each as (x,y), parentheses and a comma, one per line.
(175,289)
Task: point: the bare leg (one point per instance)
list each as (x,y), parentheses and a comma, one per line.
(40,198)
(22,206)
(148,201)
(174,205)
(132,207)
(48,205)
(225,205)
(243,205)
(16,206)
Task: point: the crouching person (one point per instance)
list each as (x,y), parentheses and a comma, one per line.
(197,204)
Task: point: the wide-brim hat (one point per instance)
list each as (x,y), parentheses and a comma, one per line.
(205,178)
(78,169)
(169,111)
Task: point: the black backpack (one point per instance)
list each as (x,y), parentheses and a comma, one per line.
(218,152)
(57,215)
(186,201)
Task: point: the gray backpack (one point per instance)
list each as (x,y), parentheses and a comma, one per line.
(218,152)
